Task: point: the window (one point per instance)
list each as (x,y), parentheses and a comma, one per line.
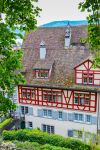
(88,78)
(81,99)
(41,74)
(47,113)
(27,93)
(48,128)
(88,118)
(78,117)
(77,134)
(52,96)
(60,115)
(24,110)
(30,124)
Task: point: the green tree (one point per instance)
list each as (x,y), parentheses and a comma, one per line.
(21,15)
(93,8)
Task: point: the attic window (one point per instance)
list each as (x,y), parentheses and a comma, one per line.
(41,74)
(88,78)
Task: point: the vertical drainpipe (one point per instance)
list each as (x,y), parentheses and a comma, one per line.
(98,110)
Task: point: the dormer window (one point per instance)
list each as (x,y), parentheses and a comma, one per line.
(42,50)
(41,74)
(87,78)
(67,36)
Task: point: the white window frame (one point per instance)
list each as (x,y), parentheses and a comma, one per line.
(78,117)
(50,127)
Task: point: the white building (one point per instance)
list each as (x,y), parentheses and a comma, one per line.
(62,90)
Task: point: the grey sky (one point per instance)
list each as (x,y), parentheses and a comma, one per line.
(60,10)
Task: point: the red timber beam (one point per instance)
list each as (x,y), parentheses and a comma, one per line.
(58,98)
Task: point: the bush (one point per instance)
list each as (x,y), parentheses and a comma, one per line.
(35,146)
(5,122)
(44,138)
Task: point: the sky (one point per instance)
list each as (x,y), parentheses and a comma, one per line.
(54,10)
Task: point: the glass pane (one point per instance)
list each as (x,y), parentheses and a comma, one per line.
(60,114)
(76,116)
(45,112)
(26,110)
(85,80)
(48,128)
(49,113)
(80,117)
(44,128)
(76,100)
(52,129)
(90,80)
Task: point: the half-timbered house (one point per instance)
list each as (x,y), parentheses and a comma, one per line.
(62,90)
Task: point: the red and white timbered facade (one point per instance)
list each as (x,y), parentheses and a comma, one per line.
(58,98)
(47,102)
(85,74)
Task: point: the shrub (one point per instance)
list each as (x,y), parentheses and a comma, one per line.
(45,138)
(35,146)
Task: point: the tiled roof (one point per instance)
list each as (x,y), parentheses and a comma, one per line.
(43,64)
(63,60)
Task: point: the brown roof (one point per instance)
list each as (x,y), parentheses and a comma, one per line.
(43,64)
(63,60)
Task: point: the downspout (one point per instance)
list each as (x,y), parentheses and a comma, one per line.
(98,111)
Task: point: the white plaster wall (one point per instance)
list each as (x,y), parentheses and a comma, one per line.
(61,127)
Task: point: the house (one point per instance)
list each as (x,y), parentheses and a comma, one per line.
(62,90)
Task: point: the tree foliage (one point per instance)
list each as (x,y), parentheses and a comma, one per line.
(21,15)
(93,8)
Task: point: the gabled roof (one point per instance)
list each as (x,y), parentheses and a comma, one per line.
(83,63)
(64,59)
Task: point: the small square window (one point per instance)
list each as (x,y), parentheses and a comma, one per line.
(30,124)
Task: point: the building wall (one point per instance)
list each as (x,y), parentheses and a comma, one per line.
(62,126)
(86,67)
(67,100)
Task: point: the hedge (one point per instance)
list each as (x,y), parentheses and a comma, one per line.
(5,122)
(44,138)
(36,146)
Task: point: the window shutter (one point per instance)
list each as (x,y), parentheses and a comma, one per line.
(55,114)
(93,120)
(19,109)
(70,116)
(40,112)
(70,133)
(30,111)
(64,116)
